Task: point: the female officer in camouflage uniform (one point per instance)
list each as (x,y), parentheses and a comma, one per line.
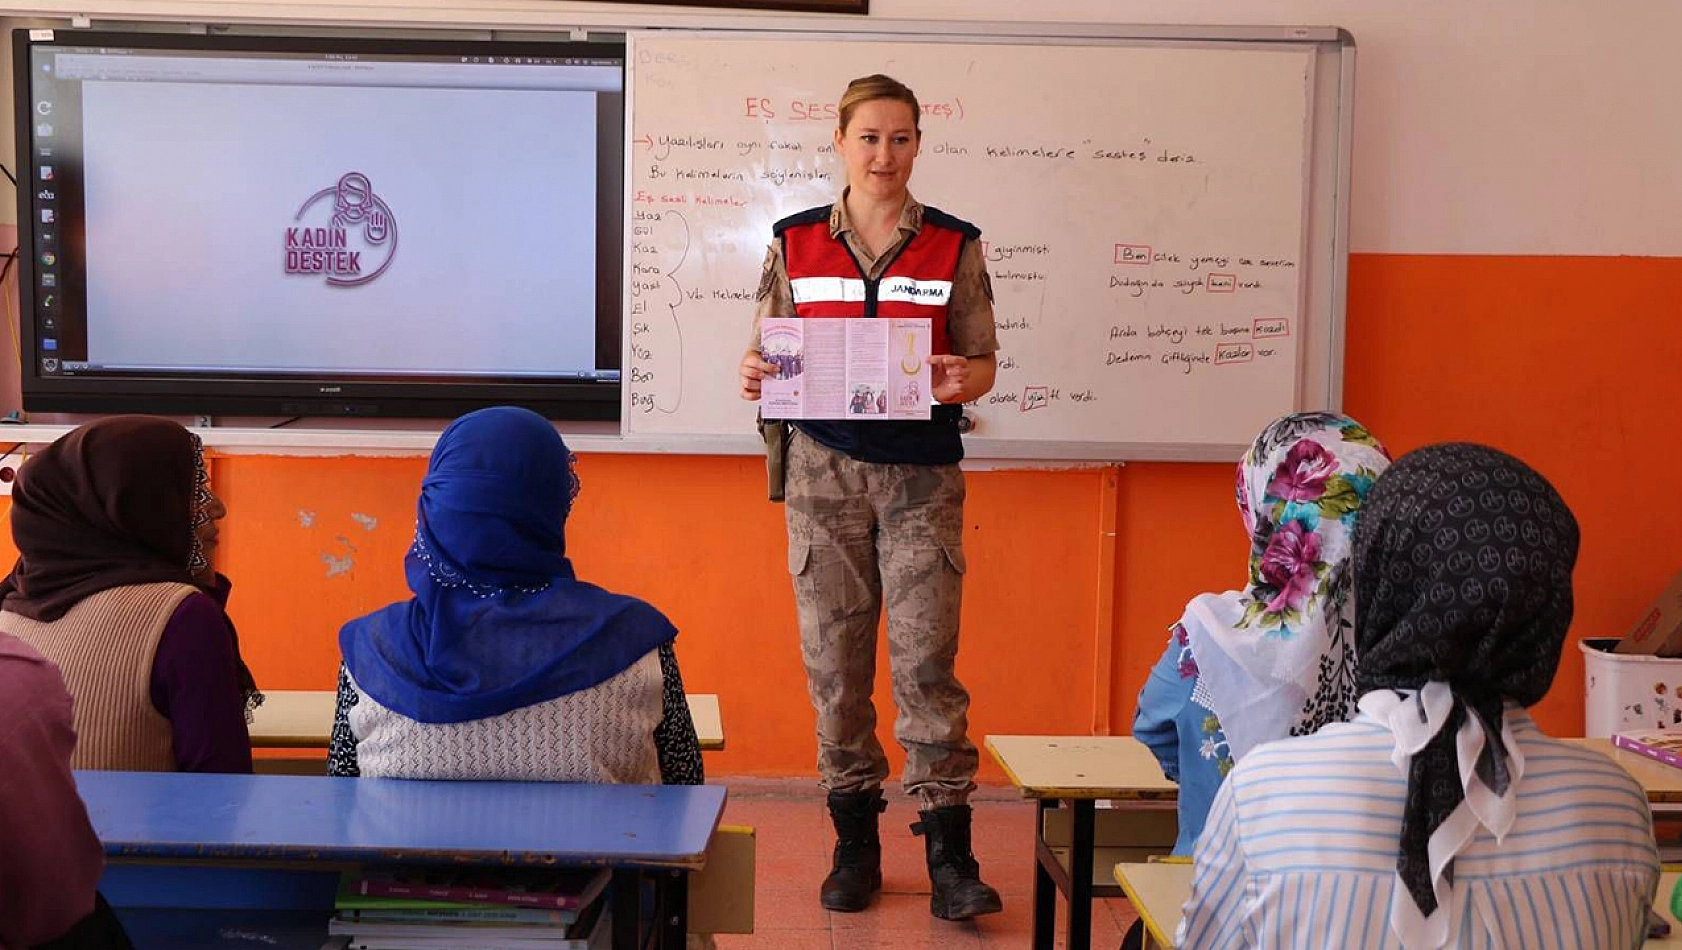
(875,509)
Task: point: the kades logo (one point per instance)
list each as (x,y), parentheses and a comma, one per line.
(346,232)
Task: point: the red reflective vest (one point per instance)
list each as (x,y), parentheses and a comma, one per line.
(827,281)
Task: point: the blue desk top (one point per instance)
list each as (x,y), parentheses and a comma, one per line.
(285,818)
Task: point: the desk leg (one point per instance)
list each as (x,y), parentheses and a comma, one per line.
(672,897)
(1080,875)
(626,889)
(1045,889)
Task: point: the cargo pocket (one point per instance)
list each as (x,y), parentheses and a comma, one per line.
(799,556)
(954,556)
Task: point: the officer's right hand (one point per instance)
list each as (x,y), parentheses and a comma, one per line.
(754,369)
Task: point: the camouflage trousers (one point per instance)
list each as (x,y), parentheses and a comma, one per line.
(860,533)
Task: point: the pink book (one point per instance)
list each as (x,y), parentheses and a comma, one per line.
(569,889)
(1654,744)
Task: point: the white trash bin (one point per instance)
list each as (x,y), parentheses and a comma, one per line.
(1624,692)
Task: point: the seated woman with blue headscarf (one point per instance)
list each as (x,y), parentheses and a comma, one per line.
(503,664)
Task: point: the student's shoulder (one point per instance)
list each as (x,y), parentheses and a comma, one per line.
(27,672)
(34,693)
(197,610)
(1338,743)
(639,613)
(1357,737)
(1544,753)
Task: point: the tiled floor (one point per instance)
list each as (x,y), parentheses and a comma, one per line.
(794,841)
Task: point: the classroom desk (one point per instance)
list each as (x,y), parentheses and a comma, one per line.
(1080,770)
(303,719)
(1159,892)
(276,843)
(709,724)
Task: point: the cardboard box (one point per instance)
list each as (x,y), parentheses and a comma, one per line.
(1659,631)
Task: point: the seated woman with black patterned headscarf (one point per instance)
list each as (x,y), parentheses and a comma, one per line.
(1441,816)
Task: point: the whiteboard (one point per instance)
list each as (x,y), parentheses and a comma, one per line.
(1160,221)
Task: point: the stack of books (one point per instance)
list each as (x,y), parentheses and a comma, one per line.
(1660,744)
(473,909)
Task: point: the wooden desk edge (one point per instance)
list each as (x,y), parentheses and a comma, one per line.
(1009,772)
(1139,906)
(319,742)
(287,742)
(1073,793)
(1070,792)
(1057,793)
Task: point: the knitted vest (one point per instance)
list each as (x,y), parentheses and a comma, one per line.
(604,734)
(104,647)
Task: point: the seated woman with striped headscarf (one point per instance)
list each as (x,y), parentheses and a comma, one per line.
(1441,816)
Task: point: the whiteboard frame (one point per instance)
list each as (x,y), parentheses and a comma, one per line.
(1319,381)
(1332,104)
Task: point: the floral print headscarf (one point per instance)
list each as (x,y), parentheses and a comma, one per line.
(1277,658)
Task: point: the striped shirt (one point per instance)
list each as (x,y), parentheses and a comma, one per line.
(1300,851)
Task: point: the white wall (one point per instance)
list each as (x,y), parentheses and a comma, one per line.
(1493,127)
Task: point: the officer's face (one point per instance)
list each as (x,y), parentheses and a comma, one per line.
(879,146)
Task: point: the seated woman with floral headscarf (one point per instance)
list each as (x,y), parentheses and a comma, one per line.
(503,665)
(114,525)
(1275,659)
(1441,816)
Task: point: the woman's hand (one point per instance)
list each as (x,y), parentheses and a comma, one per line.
(962,379)
(753,369)
(951,374)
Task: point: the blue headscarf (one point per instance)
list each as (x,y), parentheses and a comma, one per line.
(498,621)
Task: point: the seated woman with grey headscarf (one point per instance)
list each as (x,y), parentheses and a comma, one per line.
(1441,816)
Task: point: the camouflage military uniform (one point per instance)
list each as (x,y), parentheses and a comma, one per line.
(860,533)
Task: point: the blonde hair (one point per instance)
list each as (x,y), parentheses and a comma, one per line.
(874,87)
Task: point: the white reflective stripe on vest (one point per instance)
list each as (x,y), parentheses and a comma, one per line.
(934,293)
(827,289)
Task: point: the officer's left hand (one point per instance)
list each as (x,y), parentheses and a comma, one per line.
(951,374)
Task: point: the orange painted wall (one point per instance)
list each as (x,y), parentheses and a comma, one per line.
(1568,362)
(695,536)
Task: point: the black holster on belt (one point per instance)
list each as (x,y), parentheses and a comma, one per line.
(776,433)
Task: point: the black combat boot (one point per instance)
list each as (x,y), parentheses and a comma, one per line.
(959,893)
(857,872)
